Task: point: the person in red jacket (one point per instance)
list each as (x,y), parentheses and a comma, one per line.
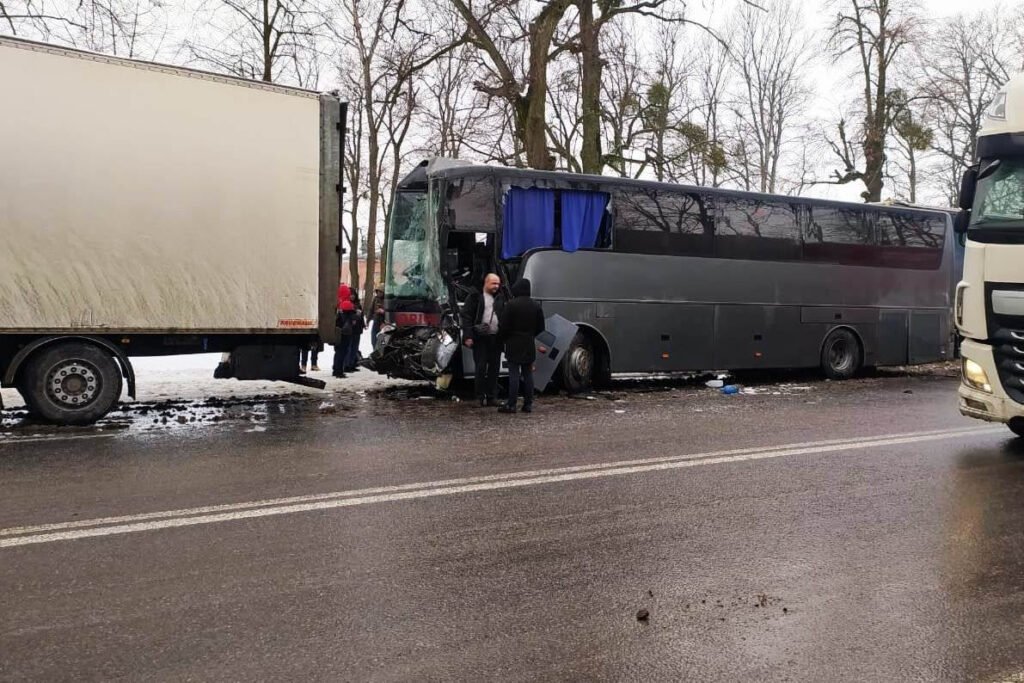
(344,328)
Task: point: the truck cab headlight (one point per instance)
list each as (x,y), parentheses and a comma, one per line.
(974,376)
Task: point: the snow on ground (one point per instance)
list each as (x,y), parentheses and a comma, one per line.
(190,377)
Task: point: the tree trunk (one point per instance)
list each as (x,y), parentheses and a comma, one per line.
(532,108)
(268,59)
(590,89)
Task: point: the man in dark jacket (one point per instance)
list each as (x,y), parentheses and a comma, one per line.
(480,325)
(521,322)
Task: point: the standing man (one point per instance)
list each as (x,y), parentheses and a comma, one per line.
(521,322)
(375,314)
(343,329)
(480,326)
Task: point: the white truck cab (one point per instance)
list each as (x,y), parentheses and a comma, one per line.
(989,302)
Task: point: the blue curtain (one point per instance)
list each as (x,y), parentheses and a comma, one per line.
(581,218)
(529,221)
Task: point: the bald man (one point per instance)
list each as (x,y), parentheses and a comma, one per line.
(480,317)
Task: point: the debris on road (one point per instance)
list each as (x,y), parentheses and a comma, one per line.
(643,615)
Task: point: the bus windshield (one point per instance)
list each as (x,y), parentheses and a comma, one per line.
(999,201)
(413,263)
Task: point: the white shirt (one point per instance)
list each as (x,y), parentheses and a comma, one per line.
(490,319)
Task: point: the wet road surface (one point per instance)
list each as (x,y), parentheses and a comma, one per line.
(809,530)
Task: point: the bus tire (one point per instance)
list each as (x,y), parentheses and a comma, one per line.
(1016,426)
(841,355)
(71,383)
(579,367)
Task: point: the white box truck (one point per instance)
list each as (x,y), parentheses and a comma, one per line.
(152,210)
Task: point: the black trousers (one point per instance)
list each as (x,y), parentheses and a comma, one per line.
(487,359)
(341,352)
(515,372)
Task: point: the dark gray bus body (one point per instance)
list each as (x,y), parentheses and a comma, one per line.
(690,278)
(672,313)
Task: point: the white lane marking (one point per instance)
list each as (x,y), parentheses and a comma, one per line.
(34,439)
(196,516)
(11,531)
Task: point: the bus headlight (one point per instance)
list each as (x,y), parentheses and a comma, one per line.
(974,376)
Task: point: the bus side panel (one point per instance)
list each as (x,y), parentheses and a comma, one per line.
(892,339)
(926,337)
(758,336)
(662,337)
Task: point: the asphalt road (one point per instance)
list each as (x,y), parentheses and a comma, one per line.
(811,531)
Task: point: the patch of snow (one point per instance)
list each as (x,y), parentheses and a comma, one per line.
(190,377)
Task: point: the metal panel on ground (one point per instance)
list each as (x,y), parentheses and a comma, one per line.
(552,344)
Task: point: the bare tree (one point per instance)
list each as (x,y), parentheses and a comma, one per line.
(503,36)
(355,166)
(388,47)
(129,28)
(959,69)
(623,92)
(769,55)
(912,138)
(875,32)
(268,40)
(453,113)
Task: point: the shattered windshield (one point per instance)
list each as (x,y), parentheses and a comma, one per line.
(413,263)
(1000,197)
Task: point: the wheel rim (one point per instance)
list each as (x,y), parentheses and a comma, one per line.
(581,363)
(73,383)
(840,355)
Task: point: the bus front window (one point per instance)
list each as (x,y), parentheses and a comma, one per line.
(413,263)
(999,199)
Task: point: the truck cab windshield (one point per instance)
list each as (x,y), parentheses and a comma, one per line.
(999,199)
(413,261)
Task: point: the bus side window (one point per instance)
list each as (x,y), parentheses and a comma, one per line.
(471,206)
(909,241)
(838,235)
(657,222)
(754,229)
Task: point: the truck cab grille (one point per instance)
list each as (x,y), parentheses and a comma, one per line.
(1008,349)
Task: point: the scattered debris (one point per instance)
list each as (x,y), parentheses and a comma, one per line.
(643,615)
(714,384)
(730,389)
(328,408)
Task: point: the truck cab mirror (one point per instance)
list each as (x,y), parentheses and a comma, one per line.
(960,222)
(968,184)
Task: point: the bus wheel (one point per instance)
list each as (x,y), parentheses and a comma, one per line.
(71,383)
(1016,426)
(579,365)
(840,355)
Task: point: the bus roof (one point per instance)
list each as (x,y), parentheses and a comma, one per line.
(451,168)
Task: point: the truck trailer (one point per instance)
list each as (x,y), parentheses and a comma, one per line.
(151,210)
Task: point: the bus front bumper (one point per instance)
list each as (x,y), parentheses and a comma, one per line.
(993,405)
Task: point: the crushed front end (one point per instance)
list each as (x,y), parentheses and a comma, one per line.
(416,353)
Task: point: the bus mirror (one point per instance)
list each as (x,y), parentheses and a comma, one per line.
(960,222)
(968,183)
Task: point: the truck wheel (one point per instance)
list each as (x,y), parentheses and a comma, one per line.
(579,365)
(1016,426)
(72,383)
(840,355)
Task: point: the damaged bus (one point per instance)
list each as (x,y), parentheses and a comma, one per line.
(662,278)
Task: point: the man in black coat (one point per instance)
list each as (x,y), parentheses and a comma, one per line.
(521,322)
(481,316)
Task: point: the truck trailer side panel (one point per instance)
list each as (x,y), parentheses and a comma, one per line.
(143,198)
